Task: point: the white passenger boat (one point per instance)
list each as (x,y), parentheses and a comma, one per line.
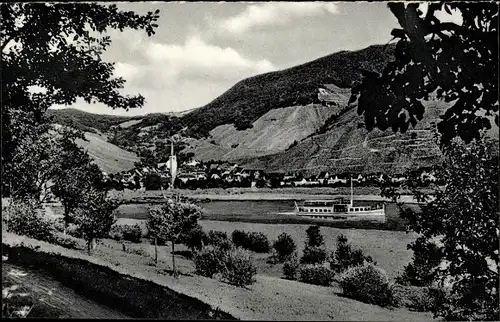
(339,209)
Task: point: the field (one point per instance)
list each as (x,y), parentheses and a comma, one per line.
(387,248)
(270,298)
(109,157)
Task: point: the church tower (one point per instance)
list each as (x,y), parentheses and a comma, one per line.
(173,164)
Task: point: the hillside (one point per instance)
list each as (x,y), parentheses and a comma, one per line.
(253,97)
(109,157)
(84,121)
(294,119)
(347,146)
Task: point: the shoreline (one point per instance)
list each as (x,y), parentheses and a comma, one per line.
(248,194)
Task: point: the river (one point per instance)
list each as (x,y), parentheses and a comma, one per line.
(267,211)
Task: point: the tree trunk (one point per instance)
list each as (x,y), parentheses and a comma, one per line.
(66,219)
(173,259)
(91,245)
(156,251)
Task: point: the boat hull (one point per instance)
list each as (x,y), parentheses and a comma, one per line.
(377,215)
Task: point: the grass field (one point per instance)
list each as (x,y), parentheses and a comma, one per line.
(270,298)
(387,248)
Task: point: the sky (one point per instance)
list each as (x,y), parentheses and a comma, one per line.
(202,49)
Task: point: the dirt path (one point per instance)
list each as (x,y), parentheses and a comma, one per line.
(52,299)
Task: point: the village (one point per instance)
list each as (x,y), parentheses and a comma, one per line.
(194,174)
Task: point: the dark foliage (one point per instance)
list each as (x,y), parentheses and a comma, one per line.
(456,63)
(345,257)
(219,239)
(313,255)
(195,239)
(316,274)
(314,237)
(253,241)
(423,269)
(284,246)
(291,267)
(209,261)
(368,284)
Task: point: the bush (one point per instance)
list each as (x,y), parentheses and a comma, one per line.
(195,239)
(27,218)
(208,261)
(116,233)
(314,237)
(138,251)
(66,242)
(238,269)
(316,274)
(219,239)
(368,284)
(239,238)
(423,269)
(59,224)
(132,233)
(313,255)
(284,246)
(253,241)
(345,258)
(421,299)
(291,266)
(74,231)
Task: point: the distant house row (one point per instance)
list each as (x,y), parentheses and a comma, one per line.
(197,174)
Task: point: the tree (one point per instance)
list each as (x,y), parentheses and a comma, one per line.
(284,246)
(76,174)
(95,217)
(35,164)
(452,62)
(51,54)
(461,219)
(314,237)
(171,222)
(457,64)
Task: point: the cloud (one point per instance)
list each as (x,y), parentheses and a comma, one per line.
(168,64)
(269,14)
(176,76)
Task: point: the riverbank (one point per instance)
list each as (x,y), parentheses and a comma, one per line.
(241,194)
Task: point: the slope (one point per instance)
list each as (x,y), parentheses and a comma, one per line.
(348,146)
(248,100)
(107,156)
